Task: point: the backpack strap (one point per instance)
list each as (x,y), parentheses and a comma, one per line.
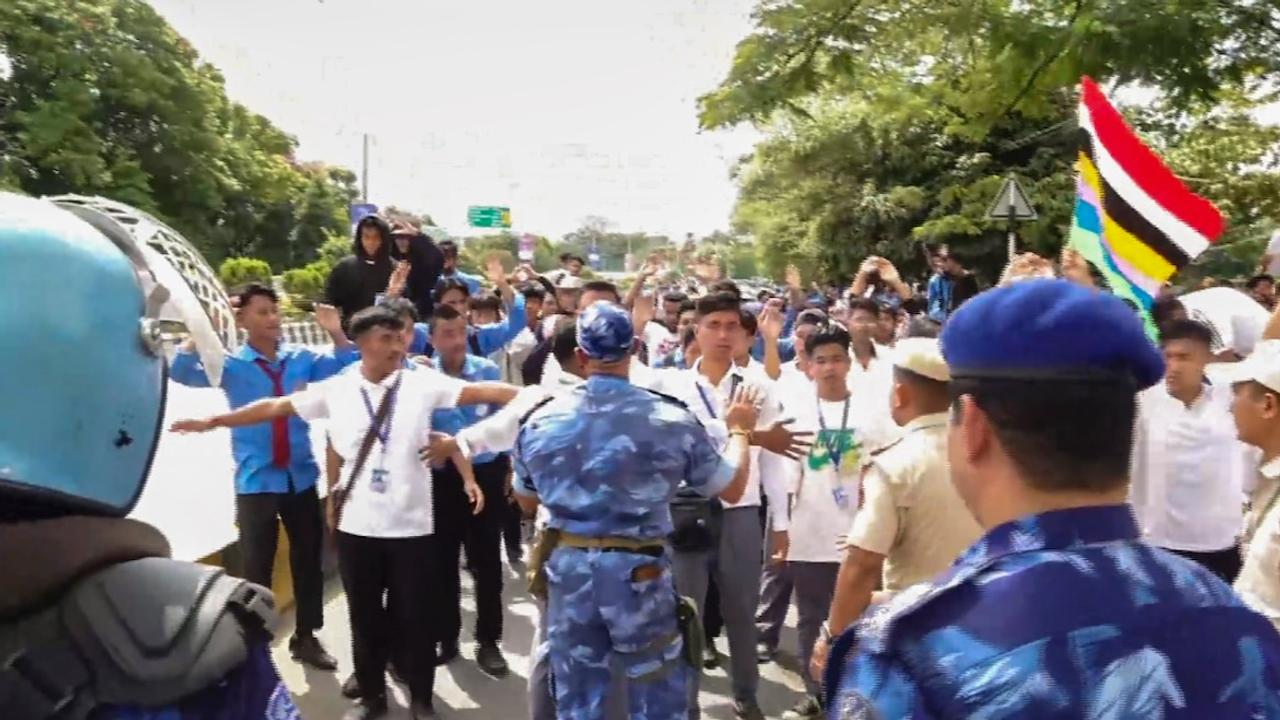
(147,633)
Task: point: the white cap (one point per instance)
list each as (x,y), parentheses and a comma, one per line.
(569,282)
(923,357)
(1262,366)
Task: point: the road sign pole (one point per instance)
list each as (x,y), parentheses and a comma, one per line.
(1013,237)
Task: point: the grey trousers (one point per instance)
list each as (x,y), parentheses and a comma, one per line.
(542,698)
(775,599)
(815,587)
(737,565)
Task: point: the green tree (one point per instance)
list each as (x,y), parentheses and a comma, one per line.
(106,99)
(234,272)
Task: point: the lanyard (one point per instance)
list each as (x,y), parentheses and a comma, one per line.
(832,440)
(384,432)
(733,388)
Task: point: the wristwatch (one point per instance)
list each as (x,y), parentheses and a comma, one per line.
(824,634)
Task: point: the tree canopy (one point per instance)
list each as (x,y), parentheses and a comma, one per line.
(891,124)
(105,98)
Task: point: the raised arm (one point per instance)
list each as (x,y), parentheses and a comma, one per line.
(487,393)
(264,410)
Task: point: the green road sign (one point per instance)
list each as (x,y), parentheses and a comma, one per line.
(489,217)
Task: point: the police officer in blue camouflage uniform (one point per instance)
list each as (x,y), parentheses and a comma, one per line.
(95,620)
(605,459)
(1059,610)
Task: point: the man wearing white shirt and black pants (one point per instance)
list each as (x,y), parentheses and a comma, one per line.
(705,389)
(384,529)
(1189,470)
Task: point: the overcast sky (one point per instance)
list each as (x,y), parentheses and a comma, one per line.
(559,109)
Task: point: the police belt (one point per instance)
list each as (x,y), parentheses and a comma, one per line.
(551,538)
(689,626)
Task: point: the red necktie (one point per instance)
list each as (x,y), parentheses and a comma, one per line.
(279,426)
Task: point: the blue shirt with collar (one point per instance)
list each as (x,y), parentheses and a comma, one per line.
(472,282)
(243,382)
(488,338)
(1064,614)
(453,420)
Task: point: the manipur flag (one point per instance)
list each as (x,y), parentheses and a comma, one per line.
(1134,219)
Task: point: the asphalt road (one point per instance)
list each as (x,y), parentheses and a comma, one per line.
(464,692)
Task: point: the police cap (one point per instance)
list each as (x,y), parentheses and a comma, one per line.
(1049,330)
(605,332)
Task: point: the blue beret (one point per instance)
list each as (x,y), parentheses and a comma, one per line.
(1049,330)
(605,332)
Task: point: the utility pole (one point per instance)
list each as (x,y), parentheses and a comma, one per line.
(364,172)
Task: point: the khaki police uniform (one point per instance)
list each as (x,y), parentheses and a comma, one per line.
(911,513)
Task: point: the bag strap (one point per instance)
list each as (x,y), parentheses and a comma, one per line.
(362,455)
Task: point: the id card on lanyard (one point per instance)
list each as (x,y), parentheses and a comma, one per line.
(834,444)
(379,477)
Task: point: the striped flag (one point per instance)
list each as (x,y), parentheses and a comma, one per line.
(1134,219)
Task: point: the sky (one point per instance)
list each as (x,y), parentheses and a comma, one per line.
(558,109)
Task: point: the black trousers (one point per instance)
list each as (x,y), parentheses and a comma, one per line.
(512,531)
(481,535)
(1225,564)
(402,569)
(300,512)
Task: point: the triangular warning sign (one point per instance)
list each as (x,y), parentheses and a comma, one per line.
(1011,202)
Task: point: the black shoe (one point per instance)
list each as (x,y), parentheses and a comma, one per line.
(419,710)
(448,653)
(806,709)
(367,710)
(307,650)
(515,556)
(710,658)
(351,688)
(746,710)
(490,660)
(765,654)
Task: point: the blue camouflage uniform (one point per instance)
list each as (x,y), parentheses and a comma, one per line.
(605,459)
(1062,614)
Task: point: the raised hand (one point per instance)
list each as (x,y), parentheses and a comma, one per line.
(888,272)
(643,312)
(328,317)
(793,278)
(494,272)
(780,439)
(770,322)
(399,278)
(744,409)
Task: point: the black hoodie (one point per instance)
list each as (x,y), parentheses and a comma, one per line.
(356,281)
(426,262)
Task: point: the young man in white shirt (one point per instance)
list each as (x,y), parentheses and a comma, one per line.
(1257,414)
(1236,321)
(385,533)
(795,391)
(705,388)
(1188,468)
(825,487)
(871,373)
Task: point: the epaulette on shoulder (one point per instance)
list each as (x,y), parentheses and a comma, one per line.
(668,398)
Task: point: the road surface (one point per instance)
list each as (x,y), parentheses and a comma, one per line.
(462,691)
